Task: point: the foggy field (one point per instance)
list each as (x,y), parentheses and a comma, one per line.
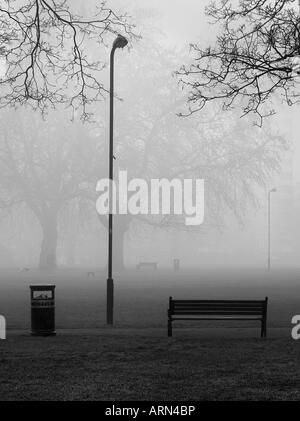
(141,297)
(136,359)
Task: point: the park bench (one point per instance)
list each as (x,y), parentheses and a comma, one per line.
(218,310)
(152,265)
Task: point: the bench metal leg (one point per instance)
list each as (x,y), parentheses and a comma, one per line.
(265,317)
(169,327)
(265,328)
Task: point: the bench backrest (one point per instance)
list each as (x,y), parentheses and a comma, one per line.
(149,264)
(218,307)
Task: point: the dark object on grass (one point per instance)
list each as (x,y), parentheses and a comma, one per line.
(218,310)
(152,265)
(42,310)
(91,274)
(176,265)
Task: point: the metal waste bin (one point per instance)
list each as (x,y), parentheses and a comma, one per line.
(176,265)
(42,310)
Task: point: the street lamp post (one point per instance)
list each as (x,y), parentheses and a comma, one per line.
(120,42)
(269,227)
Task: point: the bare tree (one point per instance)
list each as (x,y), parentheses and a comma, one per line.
(252,59)
(44,169)
(46,53)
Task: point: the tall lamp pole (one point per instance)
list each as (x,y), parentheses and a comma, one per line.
(120,42)
(269,227)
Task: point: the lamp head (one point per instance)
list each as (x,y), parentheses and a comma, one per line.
(120,42)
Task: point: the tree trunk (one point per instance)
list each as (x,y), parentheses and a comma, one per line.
(49,243)
(70,253)
(121,224)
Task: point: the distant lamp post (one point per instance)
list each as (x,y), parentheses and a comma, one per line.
(269,226)
(120,42)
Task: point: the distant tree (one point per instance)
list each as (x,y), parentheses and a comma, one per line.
(251,62)
(45,167)
(45,52)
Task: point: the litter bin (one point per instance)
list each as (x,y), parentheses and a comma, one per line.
(42,310)
(176,265)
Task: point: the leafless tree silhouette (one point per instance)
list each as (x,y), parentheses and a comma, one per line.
(235,159)
(252,59)
(45,59)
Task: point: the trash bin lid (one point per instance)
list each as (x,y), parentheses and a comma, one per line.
(42,287)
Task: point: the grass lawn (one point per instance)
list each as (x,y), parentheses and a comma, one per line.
(136,360)
(143,364)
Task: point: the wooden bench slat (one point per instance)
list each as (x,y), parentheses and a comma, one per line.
(217,312)
(220,312)
(215,307)
(218,301)
(217,318)
(245,304)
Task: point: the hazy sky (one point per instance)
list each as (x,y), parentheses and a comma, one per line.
(183,21)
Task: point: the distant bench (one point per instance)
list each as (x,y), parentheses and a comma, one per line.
(152,265)
(218,310)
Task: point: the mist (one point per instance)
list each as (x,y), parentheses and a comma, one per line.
(50,166)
